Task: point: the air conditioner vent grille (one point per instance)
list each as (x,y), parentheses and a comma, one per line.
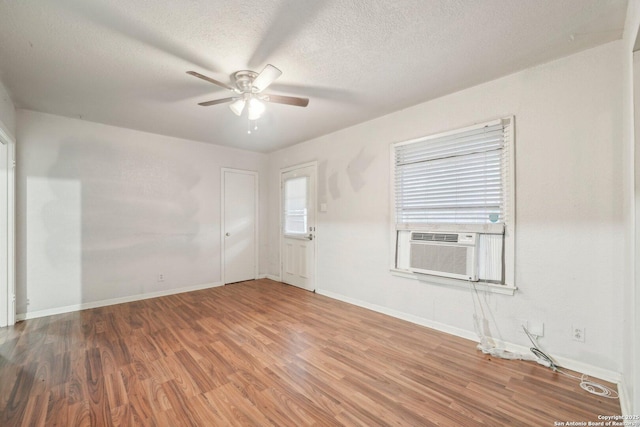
(435,237)
(444,254)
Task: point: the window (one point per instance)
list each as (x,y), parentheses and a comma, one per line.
(458,182)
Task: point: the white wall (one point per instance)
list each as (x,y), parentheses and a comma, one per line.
(103,210)
(569,199)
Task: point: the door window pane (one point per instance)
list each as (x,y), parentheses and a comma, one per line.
(295,205)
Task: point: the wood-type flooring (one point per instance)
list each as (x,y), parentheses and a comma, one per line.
(262,353)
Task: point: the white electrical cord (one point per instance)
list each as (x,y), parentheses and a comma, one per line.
(487,345)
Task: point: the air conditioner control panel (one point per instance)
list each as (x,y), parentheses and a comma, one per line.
(467,238)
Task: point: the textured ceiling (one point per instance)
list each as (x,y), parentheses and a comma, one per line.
(123,62)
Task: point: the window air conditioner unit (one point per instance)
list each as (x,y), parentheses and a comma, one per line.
(444,254)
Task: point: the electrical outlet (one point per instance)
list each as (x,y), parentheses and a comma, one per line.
(577,333)
(160,277)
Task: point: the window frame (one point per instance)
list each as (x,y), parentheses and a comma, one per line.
(509,285)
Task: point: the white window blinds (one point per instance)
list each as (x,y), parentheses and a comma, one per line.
(455,178)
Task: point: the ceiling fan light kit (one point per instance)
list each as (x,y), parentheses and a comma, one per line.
(256,108)
(237,106)
(249,85)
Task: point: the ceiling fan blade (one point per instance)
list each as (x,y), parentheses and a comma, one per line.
(216,101)
(266,77)
(289,100)
(210,80)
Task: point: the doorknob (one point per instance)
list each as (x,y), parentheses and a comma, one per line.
(227,234)
(310,236)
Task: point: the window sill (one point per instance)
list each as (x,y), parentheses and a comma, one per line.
(443,281)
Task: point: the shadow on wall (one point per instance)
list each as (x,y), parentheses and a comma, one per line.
(103,221)
(357,167)
(328,181)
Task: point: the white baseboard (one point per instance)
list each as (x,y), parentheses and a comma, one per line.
(574,365)
(400,315)
(623,396)
(269,276)
(104,303)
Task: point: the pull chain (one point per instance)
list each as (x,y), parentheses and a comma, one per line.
(255,126)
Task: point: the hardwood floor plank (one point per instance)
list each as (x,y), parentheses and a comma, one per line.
(79,414)
(8,376)
(303,382)
(160,370)
(252,390)
(57,407)
(158,399)
(216,367)
(193,369)
(236,408)
(262,353)
(299,409)
(166,342)
(207,412)
(36,410)
(116,391)
(181,378)
(180,406)
(14,411)
(139,404)
(120,416)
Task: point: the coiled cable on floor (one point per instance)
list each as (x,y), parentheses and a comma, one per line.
(585,383)
(592,386)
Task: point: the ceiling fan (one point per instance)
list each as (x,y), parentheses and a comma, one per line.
(248,90)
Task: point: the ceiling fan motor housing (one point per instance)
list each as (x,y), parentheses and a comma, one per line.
(244,81)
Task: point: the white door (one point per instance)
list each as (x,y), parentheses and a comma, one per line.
(298,187)
(239,227)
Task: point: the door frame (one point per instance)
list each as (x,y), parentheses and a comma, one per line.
(257,222)
(9,143)
(313,164)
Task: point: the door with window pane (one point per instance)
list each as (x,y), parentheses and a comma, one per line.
(298,226)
